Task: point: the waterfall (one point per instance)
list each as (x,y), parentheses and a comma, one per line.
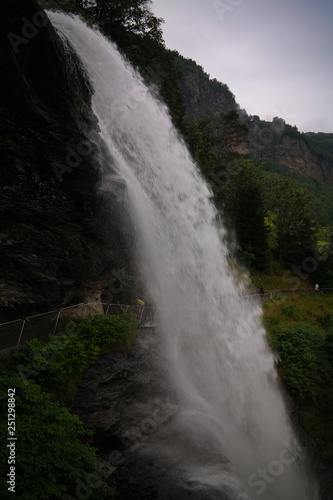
(213,340)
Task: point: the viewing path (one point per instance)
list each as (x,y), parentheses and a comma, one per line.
(15,334)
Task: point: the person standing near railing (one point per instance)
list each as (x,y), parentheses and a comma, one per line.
(316,287)
(140,305)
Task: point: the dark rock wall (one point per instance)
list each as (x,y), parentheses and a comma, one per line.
(59,237)
(142,431)
(202,95)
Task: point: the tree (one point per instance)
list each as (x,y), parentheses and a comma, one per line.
(243,199)
(201,138)
(124,18)
(293,217)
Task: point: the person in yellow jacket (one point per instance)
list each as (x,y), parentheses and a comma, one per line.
(140,305)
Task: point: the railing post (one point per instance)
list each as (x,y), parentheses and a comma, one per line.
(85,310)
(57,321)
(141,314)
(22,328)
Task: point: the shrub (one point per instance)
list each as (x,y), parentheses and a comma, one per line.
(302,361)
(53,457)
(50,456)
(109,333)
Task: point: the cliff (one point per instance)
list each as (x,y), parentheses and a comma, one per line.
(203,96)
(284,144)
(60,237)
(274,140)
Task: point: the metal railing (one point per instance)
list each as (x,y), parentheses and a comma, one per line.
(15,334)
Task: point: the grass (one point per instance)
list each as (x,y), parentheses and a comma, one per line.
(315,309)
(279,279)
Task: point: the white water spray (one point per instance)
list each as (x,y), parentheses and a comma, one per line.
(213,339)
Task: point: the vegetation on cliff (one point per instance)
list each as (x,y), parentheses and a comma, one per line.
(54,457)
(300,330)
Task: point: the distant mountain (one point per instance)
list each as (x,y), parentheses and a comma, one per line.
(310,154)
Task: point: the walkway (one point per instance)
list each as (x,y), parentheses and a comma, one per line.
(15,334)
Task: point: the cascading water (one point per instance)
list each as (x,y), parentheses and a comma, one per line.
(214,343)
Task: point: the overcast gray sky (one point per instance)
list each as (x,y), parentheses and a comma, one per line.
(275,55)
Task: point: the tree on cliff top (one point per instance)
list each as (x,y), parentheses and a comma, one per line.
(119,18)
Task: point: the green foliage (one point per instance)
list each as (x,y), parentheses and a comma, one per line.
(321,193)
(99,330)
(124,18)
(320,145)
(248,213)
(293,219)
(201,139)
(58,365)
(302,363)
(325,141)
(300,329)
(53,456)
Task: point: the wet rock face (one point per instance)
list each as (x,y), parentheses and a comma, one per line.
(144,434)
(58,236)
(123,397)
(203,96)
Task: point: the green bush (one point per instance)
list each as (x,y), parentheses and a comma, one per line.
(302,359)
(58,365)
(53,458)
(118,333)
(299,328)
(291,311)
